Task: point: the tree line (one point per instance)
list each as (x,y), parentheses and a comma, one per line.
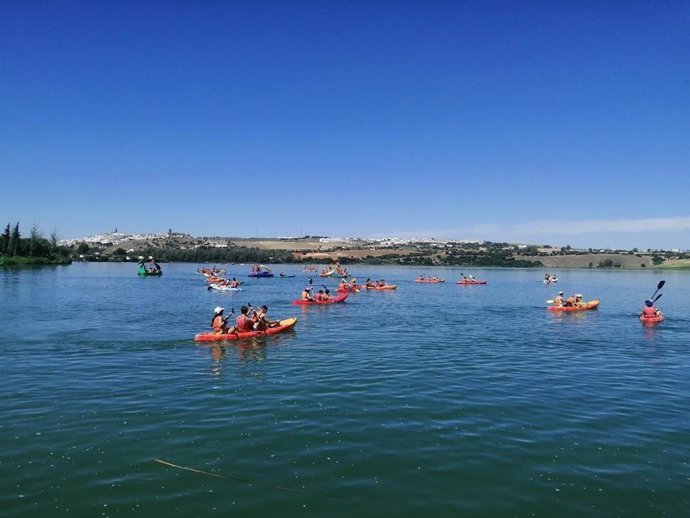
(34,249)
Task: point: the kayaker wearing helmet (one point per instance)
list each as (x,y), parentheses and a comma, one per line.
(558,299)
(649,309)
(219,322)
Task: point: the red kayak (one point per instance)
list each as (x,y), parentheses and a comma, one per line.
(582,306)
(339,298)
(652,320)
(348,288)
(284,325)
(470,283)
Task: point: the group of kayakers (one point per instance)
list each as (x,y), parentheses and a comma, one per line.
(321,296)
(375,284)
(211,271)
(431,278)
(550,278)
(649,311)
(249,319)
(573,300)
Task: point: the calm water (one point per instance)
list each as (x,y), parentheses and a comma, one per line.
(442,399)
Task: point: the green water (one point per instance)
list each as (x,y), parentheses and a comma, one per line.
(441,399)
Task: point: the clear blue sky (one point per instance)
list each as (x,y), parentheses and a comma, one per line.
(562,122)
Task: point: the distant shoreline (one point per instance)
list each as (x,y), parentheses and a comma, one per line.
(315,250)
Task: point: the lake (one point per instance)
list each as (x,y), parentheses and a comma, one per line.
(433,398)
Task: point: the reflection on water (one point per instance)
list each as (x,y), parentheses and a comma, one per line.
(251,350)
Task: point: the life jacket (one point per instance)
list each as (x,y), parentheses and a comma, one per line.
(243,323)
(218,324)
(649,311)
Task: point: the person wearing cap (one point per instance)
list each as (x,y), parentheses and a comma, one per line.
(307,294)
(649,309)
(219,322)
(558,299)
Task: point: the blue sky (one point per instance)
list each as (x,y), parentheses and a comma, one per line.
(543,122)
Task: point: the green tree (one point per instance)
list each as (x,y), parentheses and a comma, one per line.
(83,248)
(5,240)
(54,241)
(34,239)
(14,246)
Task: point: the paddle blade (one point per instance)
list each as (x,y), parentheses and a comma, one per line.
(657,297)
(660,285)
(549,301)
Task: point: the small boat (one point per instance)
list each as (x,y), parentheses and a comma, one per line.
(582,306)
(282,326)
(652,320)
(143,272)
(430,281)
(262,273)
(470,282)
(384,287)
(334,300)
(222,287)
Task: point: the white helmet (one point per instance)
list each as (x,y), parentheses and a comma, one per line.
(218,310)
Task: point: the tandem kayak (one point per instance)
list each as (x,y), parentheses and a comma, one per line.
(592,304)
(652,320)
(339,298)
(470,283)
(386,287)
(284,325)
(429,281)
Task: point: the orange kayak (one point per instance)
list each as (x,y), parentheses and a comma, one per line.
(386,287)
(592,304)
(339,298)
(284,325)
(652,320)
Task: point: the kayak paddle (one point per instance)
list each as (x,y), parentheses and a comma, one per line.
(658,287)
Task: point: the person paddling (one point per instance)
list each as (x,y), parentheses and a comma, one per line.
(219,322)
(244,323)
(558,300)
(307,294)
(262,322)
(649,311)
